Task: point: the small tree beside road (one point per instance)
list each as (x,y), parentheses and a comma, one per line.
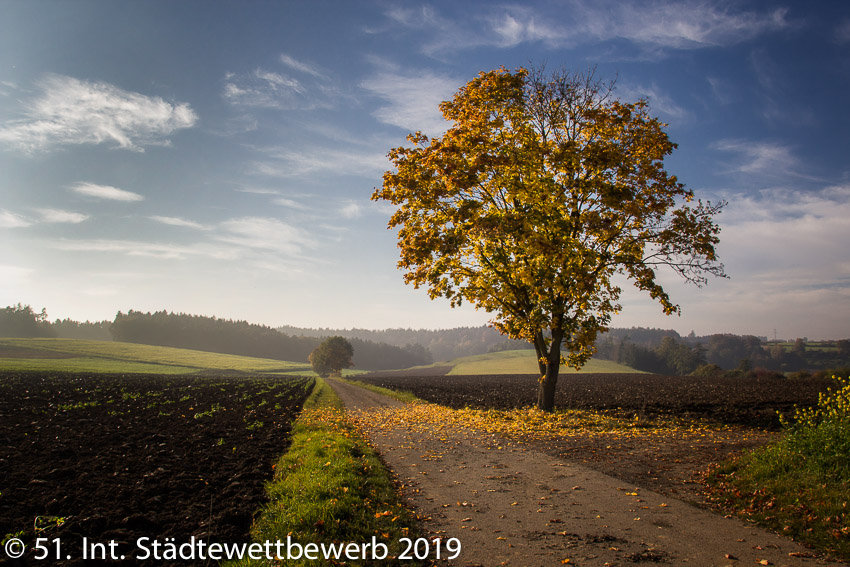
(331,357)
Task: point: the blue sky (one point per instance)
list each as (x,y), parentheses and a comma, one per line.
(218,157)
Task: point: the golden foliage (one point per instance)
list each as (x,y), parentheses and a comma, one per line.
(540,193)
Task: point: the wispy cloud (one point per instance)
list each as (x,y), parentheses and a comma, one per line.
(8,219)
(105,192)
(263,89)
(255,239)
(660,102)
(411,100)
(765,160)
(277,90)
(522,25)
(289,163)
(266,234)
(297,65)
(177,221)
(763,231)
(290,204)
(258,191)
(72,111)
(351,210)
(660,24)
(140,248)
(680,25)
(60,216)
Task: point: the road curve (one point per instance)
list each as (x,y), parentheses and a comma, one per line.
(510,505)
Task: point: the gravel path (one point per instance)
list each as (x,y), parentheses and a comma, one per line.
(511,505)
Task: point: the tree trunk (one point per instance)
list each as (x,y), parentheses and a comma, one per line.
(549,377)
(546,388)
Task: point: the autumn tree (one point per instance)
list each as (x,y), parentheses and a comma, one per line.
(543,190)
(330,357)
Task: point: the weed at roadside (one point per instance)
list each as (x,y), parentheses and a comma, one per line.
(800,485)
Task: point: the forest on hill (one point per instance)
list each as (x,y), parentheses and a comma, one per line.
(662,351)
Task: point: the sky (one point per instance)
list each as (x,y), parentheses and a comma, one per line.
(218,157)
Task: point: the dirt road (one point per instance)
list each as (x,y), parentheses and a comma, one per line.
(511,505)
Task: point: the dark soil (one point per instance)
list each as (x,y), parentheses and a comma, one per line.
(116,458)
(745,401)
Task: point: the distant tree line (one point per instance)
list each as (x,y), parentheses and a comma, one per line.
(437,345)
(24,322)
(247,339)
(21,321)
(665,352)
(92,331)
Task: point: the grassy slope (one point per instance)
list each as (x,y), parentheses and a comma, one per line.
(107,356)
(519,362)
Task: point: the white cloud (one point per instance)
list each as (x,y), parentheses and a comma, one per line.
(659,101)
(158,250)
(290,204)
(682,25)
(265,234)
(660,24)
(60,216)
(308,68)
(351,210)
(177,221)
(258,191)
(788,248)
(412,100)
(286,163)
(523,26)
(72,111)
(269,89)
(760,161)
(9,219)
(105,192)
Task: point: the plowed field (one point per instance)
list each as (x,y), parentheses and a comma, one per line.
(747,401)
(115,458)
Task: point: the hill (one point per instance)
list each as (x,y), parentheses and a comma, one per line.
(509,362)
(77,355)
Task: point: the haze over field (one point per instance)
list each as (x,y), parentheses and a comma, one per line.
(218,158)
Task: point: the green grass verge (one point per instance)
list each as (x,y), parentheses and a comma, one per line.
(799,485)
(521,362)
(330,488)
(110,356)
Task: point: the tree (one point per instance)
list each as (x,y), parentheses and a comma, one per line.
(330,357)
(543,189)
(21,321)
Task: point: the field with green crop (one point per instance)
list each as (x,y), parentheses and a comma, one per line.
(74,355)
(512,362)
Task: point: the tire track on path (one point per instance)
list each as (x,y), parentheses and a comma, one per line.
(511,505)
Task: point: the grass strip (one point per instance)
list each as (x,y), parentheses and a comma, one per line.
(330,488)
(799,485)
